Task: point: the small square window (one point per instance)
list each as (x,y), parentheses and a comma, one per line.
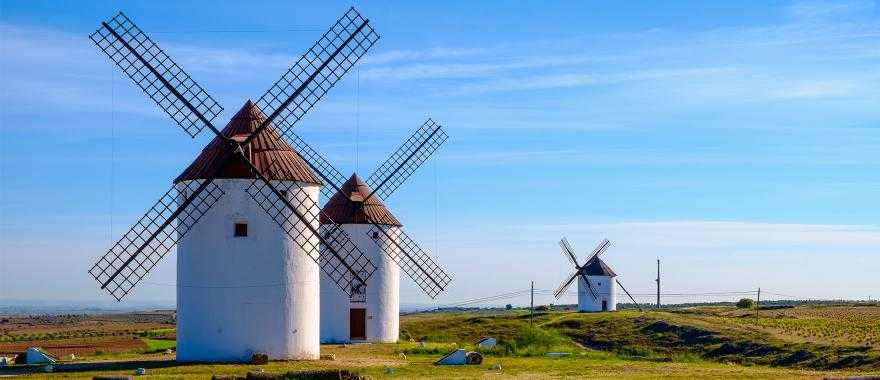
(375,236)
(240,229)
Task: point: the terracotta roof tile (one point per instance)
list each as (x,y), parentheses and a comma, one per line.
(344,207)
(597,267)
(268,151)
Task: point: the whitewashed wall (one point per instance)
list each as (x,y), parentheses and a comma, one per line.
(241,295)
(606,289)
(382,300)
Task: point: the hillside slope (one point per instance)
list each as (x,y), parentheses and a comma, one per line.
(708,334)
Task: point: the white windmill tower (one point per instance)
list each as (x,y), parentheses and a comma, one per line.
(597,283)
(248,279)
(372,313)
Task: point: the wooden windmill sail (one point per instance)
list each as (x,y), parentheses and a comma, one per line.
(594,267)
(356,201)
(235,152)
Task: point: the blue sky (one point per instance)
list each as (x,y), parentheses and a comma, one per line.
(734,141)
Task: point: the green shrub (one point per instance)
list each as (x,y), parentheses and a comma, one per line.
(745,303)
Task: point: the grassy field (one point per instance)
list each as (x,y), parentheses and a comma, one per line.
(373,360)
(852,325)
(719,342)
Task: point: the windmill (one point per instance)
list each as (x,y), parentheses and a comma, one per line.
(596,280)
(372,313)
(245,213)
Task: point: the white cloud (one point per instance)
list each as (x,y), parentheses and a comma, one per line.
(697,234)
(816,9)
(228,61)
(811,54)
(67,72)
(817,90)
(397,56)
(645,157)
(569,80)
(412,71)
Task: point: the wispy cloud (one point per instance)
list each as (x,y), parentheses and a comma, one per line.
(396,56)
(228,61)
(817,9)
(64,73)
(67,72)
(471,69)
(788,60)
(569,80)
(816,90)
(671,157)
(701,234)
(697,255)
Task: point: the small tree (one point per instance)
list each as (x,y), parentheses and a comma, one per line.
(745,303)
(508,307)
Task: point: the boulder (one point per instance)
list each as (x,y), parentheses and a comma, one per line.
(474,358)
(259,358)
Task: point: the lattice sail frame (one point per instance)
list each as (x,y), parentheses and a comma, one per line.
(153,235)
(566,283)
(568,252)
(193,109)
(155,73)
(341,47)
(600,249)
(331,177)
(411,154)
(340,261)
(414,261)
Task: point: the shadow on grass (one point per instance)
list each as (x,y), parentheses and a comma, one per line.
(121,365)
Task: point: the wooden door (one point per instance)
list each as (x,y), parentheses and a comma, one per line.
(358,324)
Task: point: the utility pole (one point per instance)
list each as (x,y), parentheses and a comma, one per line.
(658,283)
(532,304)
(758,304)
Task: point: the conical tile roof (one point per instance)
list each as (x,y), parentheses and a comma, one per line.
(268,152)
(597,267)
(347,206)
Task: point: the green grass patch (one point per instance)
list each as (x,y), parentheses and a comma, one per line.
(158,345)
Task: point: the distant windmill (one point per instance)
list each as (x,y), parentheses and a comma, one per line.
(372,313)
(596,281)
(244,284)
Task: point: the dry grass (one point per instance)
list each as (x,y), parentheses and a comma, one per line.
(372,360)
(846,325)
(634,354)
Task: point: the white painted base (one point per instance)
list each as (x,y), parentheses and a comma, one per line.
(240,295)
(382,298)
(606,290)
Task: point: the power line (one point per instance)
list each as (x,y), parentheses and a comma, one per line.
(496,297)
(526,292)
(500,296)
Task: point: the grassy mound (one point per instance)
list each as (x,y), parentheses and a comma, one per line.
(670,337)
(652,336)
